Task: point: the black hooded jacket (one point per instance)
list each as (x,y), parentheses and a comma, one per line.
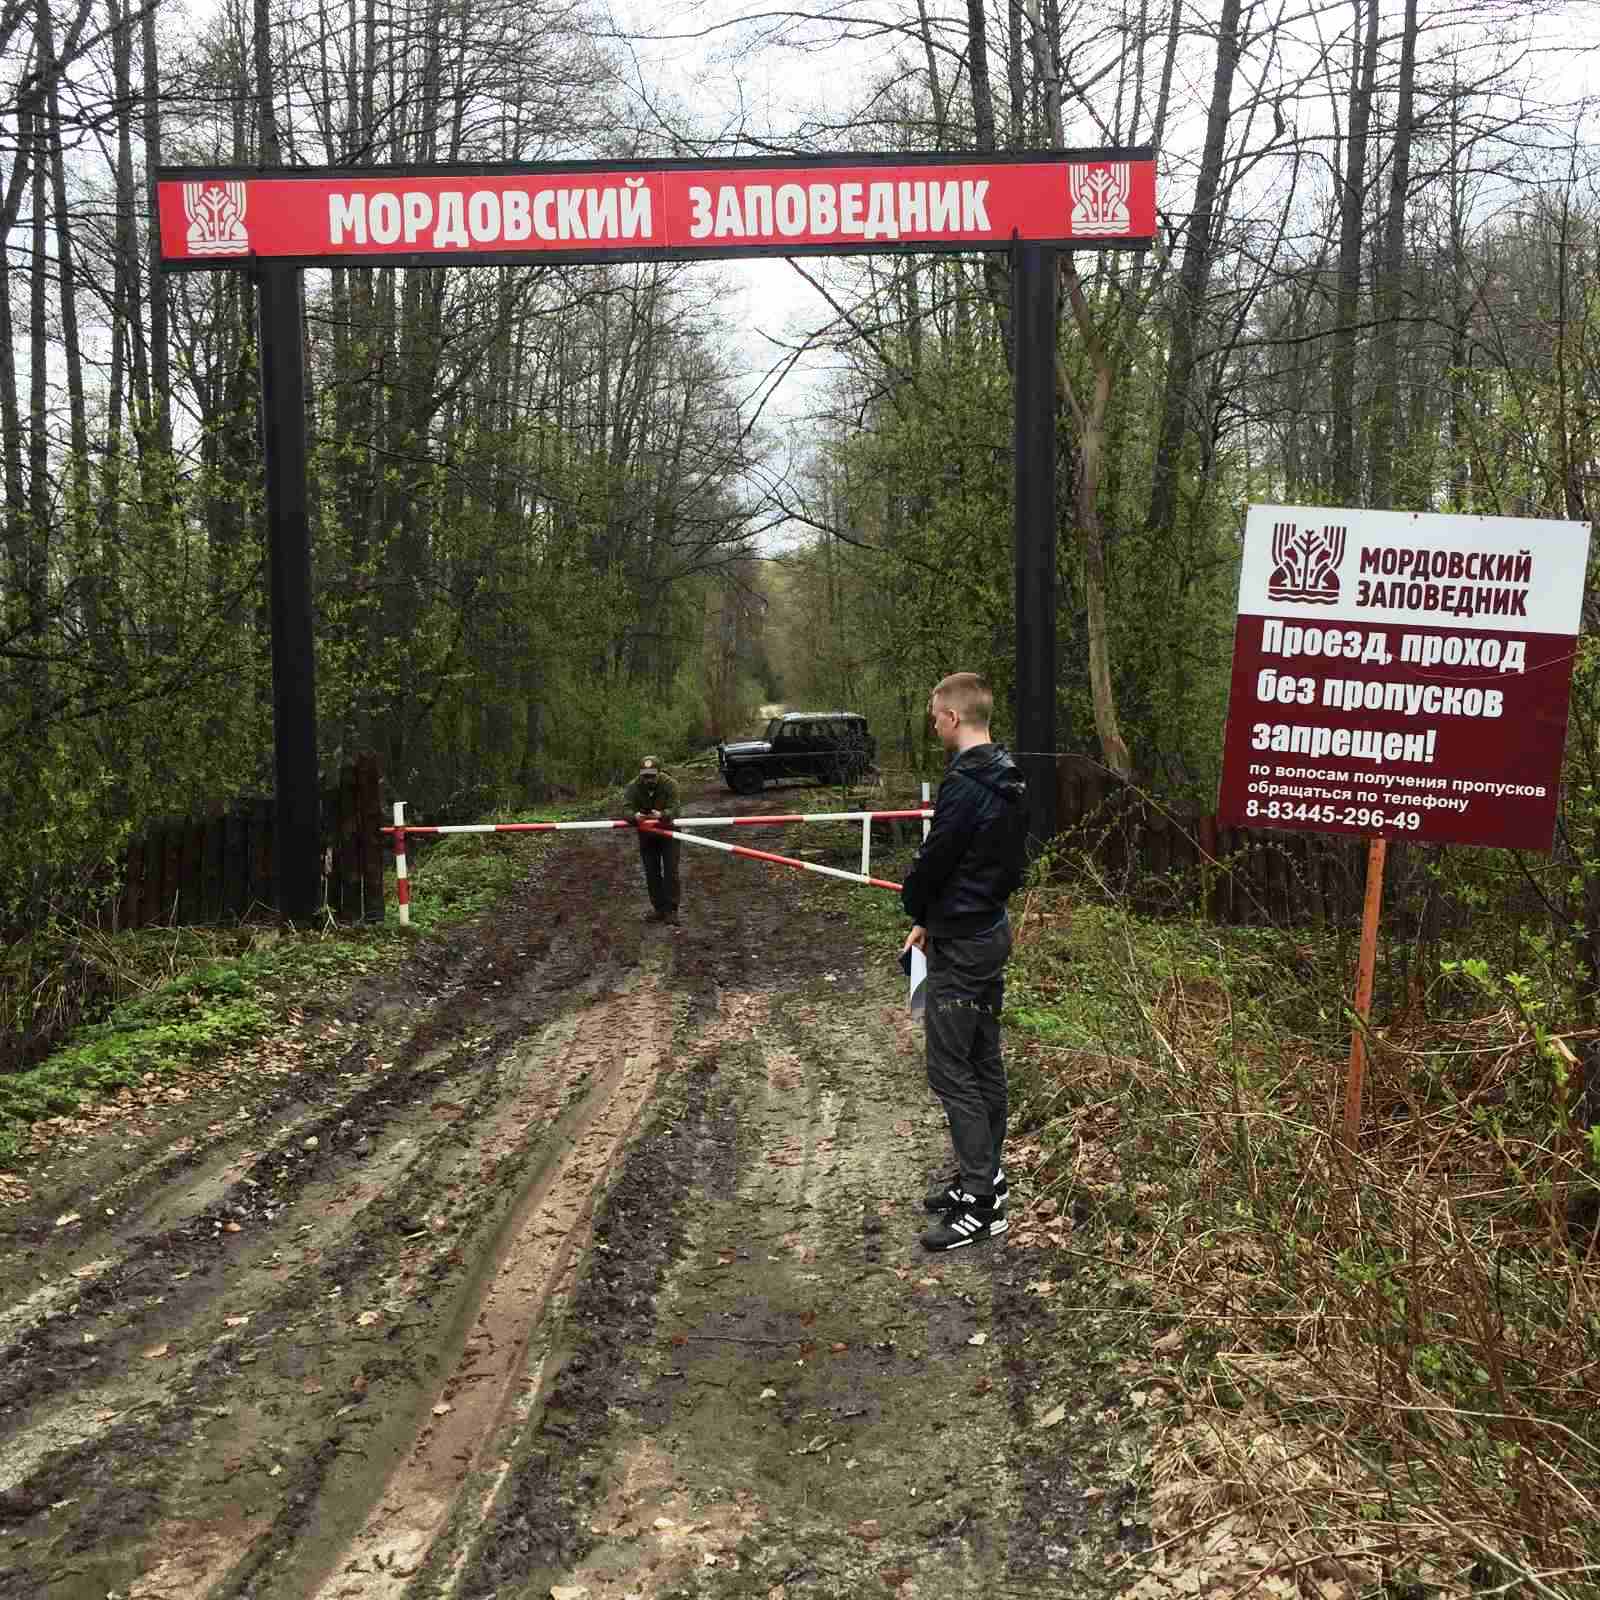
(975,854)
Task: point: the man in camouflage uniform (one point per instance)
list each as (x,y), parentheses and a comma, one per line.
(653,797)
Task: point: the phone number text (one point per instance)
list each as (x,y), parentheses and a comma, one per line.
(1338,816)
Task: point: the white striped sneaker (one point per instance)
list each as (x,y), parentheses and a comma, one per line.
(967,1223)
(946,1196)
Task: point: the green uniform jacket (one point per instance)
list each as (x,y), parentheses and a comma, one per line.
(664,800)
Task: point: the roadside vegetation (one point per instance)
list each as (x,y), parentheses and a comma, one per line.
(1374,1373)
(111,1016)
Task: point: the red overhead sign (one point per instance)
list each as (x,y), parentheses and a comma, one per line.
(843,204)
(1402,675)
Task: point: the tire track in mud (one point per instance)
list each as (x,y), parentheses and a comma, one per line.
(602,1275)
(823,1383)
(321,1219)
(543,1236)
(389,1150)
(304,1268)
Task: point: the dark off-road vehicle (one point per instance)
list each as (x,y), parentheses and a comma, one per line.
(830,746)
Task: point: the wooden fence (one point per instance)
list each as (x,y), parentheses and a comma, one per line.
(220,867)
(1167,859)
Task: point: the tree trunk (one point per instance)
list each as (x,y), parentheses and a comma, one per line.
(939,118)
(1164,98)
(1137,114)
(77,410)
(105,629)
(1346,477)
(1391,277)
(126,245)
(160,339)
(1572,454)
(1460,311)
(16,499)
(269,152)
(1193,278)
(1091,422)
(996,271)
(1016,83)
(38,355)
(1091,425)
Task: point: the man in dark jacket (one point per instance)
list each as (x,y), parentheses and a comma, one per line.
(956,892)
(653,797)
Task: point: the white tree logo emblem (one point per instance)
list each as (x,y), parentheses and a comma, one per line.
(1099,197)
(216,219)
(1305,565)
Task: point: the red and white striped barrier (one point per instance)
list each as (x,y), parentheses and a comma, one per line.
(402,882)
(682,822)
(767,855)
(865,818)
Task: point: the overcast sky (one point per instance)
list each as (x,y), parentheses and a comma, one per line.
(687,66)
(691,64)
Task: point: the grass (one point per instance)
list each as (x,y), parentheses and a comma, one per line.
(1378,1373)
(171,999)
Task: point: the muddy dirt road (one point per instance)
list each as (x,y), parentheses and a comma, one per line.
(581,1260)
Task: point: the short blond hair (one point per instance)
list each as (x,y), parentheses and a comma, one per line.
(966,694)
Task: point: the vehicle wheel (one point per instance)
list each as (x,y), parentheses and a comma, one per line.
(745,780)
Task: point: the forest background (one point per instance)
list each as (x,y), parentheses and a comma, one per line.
(558,515)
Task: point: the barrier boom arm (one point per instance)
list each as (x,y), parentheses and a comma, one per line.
(767,855)
(397,838)
(779,820)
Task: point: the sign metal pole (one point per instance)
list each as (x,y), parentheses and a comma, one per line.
(1350,1128)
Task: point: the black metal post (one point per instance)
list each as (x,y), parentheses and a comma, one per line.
(1033,323)
(297,843)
